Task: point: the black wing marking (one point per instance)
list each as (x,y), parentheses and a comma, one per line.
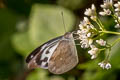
(41,49)
(43,59)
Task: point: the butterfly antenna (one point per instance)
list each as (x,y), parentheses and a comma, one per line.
(63,21)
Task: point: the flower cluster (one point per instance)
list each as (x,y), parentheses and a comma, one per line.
(111,9)
(93,52)
(90,36)
(117,6)
(117,14)
(105,65)
(105,12)
(101,42)
(91,12)
(85,33)
(106,7)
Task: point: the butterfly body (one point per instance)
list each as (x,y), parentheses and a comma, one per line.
(58,55)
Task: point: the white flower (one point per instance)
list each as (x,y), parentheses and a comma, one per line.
(82,37)
(104,65)
(93,7)
(108,66)
(83,24)
(117,9)
(78,31)
(90,41)
(101,64)
(117,14)
(101,42)
(85,43)
(94,56)
(117,26)
(105,12)
(102,13)
(86,20)
(106,7)
(91,26)
(107,4)
(118,17)
(93,18)
(117,5)
(89,34)
(85,32)
(93,52)
(103,6)
(90,11)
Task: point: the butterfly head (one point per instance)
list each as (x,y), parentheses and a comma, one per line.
(68,35)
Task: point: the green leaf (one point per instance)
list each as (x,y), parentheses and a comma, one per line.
(45,23)
(38,74)
(115,54)
(22,43)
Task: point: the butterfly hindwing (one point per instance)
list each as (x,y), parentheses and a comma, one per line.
(41,55)
(64,57)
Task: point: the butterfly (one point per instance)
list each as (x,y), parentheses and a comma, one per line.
(58,55)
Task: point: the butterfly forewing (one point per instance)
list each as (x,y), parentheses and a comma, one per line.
(64,57)
(41,55)
(59,55)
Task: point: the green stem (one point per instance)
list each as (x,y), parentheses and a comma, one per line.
(110,32)
(112,9)
(98,36)
(114,17)
(113,14)
(102,49)
(107,57)
(101,25)
(117,40)
(109,49)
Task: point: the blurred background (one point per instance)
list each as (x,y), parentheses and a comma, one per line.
(26,24)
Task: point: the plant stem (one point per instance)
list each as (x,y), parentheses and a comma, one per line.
(117,40)
(109,49)
(102,49)
(107,57)
(110,32)
(101,25)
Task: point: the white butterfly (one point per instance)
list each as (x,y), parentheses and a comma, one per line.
(58,55)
